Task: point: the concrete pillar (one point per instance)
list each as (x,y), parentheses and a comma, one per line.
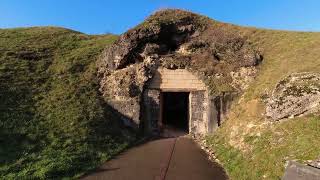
(151,109)
(214,113)
(198,120)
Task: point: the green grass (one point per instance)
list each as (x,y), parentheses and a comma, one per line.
(247,145)
(290,140)
(284,52)
(170,16)
(53,123)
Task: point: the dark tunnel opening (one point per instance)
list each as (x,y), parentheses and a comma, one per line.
(175,113)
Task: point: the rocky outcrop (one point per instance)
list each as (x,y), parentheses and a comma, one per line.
(242,78)
(122,89)
(180,39)
(295,95)
(174,39)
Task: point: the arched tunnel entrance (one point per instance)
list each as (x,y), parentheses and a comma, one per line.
(177,102)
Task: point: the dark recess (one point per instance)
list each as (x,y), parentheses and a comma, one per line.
(175,110)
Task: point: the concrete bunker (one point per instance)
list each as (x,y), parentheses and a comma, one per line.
(156,58)
(178,99)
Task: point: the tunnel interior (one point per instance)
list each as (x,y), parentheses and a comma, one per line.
(175,110)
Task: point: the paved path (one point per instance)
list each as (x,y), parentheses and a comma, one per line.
(164,159)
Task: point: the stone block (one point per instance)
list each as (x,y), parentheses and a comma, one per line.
(297,171)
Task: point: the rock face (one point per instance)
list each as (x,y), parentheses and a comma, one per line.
(296,95)
(174,39)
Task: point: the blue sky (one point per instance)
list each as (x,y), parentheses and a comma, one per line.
(116,16)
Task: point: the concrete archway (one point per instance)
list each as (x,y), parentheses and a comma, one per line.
(202,114)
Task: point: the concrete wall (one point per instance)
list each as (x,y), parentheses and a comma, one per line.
(208,112)
(198,108)
(129,110)
(151,111)
(198,112)
(220,106)
(178,80)
(175,80)
(205,112)
(214,113)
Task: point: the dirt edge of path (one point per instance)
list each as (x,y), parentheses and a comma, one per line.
(201,142)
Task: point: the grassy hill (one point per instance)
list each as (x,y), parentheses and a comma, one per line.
(53,123)
(251,147)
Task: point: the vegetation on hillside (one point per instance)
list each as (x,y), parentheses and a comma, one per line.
(53,123)
(249,145)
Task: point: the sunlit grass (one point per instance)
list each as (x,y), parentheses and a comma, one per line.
(53,123)
(262,149)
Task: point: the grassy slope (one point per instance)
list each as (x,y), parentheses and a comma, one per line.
(248,145)
(51,115)
(52,121)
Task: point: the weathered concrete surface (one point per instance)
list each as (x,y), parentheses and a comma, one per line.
(151,110)
(177,79)
(296,171)
(169,159)
(198,111)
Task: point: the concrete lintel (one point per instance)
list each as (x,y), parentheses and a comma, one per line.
(180,90)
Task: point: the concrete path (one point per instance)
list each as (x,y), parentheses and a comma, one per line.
(164,159)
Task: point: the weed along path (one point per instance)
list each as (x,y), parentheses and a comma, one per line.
(163,159)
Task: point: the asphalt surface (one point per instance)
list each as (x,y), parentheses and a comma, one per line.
(164,159)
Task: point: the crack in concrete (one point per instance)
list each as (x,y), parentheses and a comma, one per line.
(165,166)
